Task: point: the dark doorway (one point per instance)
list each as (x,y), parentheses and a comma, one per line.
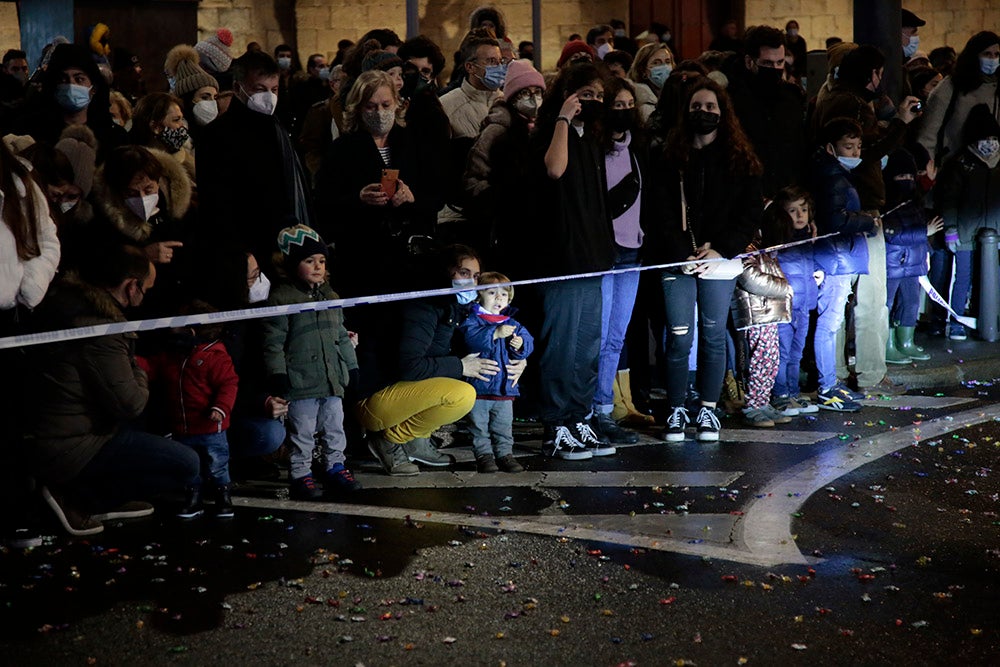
(693,23)
(147,29)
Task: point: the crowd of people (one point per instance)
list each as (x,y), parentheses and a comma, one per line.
(254,181)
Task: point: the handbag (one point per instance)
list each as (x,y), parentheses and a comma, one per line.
(727,269)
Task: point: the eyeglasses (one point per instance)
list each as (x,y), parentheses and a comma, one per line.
(489,62)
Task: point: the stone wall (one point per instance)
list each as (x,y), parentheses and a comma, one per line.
(322,23)
(10,32)
(950,23)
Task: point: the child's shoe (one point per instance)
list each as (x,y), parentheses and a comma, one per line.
(305,488)
(786,405)
(757,418)
(486,463)
(339,478)
(776,417)
(805,406)
(507,463)
(223,503)
(192,504)
(957,331)
(838,399)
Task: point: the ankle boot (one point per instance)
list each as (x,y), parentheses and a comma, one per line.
(624,409)
(223,502)
(192,504)
(892,355)
(905,344)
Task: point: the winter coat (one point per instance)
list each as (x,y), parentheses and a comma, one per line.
(309,354)
(467,107)
(936,108)
(725,207)
(83,389)
(967,195)
(904,223)
(798,265)
(318,134)
(427,327)
(478,333)
(838,209)
(762,294)
(26,281)
(645,101)
(197,383)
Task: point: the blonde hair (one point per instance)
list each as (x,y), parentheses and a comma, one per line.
(124,106)
(363,89)
(492,277)
(638,70)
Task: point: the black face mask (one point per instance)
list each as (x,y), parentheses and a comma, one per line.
(591,110)
(621,120)
(413,83)
(703,122)
(768,76)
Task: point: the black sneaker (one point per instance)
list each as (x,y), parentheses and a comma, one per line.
(304,488)
(708,425)
(223,503)
(676,423)
(339,478)
(586,436)
(562,444)
(192,504)
(608,430)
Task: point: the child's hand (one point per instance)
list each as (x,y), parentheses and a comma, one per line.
(504,331)
(353,337)
(935,226)
(516,342)
(215,415)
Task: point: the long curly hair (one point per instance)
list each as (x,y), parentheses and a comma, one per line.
(741,156)
(569,80)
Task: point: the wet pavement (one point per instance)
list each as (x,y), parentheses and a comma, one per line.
(838,539)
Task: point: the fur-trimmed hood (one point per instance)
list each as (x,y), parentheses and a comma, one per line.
(75,303)
(175,193)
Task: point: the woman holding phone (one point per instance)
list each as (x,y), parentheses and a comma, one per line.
(370,190)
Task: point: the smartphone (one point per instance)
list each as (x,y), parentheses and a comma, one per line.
(390,181)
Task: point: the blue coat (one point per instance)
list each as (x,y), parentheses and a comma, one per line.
(906,244)
(838,209)
(478,335)
(797,264)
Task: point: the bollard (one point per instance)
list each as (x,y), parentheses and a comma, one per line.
(989,284)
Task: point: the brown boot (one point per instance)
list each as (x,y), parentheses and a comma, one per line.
(624,410)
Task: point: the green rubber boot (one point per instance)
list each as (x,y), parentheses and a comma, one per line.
(905,344)
(892,355)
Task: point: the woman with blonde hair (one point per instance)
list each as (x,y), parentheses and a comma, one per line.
(652,65)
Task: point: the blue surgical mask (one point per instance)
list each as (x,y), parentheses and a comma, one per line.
(467,296)
(988,65)
(324,73)
(72,97)
(885,161)
(494,76)
(172,82)
(658,74)
(911,48)
(849,163)
(285,62)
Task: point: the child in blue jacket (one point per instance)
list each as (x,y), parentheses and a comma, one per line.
(494,334)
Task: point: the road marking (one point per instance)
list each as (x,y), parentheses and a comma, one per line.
(775,436)
(588,479)
(915,402)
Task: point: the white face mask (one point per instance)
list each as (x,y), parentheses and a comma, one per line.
(205,111)
(603,50)
(264,102)
(145,206)
(528,106)
(66,206)
(285,62)
(260,289)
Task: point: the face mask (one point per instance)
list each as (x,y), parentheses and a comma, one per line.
(658,74)
(413,83)
(67,206)
(172,82)
(205,112)
(988,147)
(885,161)
(174,138)
(263,102)
(324,73)
(703,122)
(285,63)
(72,97)
(666,36)
(260,290)
(849,163)
(591,110)
(603,50)
(621,120)
(988,66)
(379,121)
(911,47)
(467,296)
(145,206)
(793,32)
(620,32)
(769,76)
(528,106)
(494,77)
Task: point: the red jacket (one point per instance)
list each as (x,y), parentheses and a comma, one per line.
(197,384)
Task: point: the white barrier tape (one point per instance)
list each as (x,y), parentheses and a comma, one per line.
(112,328)
(925,282)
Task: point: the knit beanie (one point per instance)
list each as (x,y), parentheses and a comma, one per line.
(299,242)
(574,47)
(521,75)
(380,60)
(980,124)
(182,64)
(214,51)
(79,145)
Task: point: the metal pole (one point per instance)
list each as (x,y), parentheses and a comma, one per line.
(989,274)
(412,18)
(536,31)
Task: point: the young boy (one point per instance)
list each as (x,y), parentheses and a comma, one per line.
(840,258)
(490,330)
(309,359)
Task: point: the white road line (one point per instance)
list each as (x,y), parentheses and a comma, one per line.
(915,402)
(774,436)
(587,479)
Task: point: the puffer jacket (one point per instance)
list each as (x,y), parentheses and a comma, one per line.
(904,223)
(967,195)
(798,265)
(478,332)
(197,383)
(307,355)
(762,295)
(838,209)
(83,389)
(26,281)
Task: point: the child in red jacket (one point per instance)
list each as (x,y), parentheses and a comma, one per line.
(200,385)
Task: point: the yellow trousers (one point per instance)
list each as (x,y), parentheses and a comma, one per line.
(408,410)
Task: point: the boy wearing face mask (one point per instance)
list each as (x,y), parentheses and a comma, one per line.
(468,105)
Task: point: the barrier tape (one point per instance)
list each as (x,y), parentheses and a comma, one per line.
(925,282)
(112,328)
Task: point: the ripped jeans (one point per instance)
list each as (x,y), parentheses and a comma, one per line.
(681,293)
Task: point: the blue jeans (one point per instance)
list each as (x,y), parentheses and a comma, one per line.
(908,303)
(135,466)
(791,343)
(831,302)
(492,427)
(256,436)
(963,281)
(308,417)
(213,451)
(617,300)
(681,293)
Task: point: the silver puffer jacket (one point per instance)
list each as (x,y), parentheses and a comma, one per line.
(763,295)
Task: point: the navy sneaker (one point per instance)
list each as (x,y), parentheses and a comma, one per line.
(339,478)
(838,399)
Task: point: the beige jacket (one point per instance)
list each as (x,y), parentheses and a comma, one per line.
(467,107)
